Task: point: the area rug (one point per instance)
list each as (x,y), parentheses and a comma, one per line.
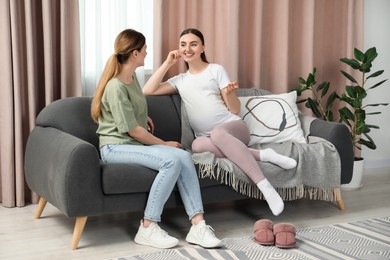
(366,239)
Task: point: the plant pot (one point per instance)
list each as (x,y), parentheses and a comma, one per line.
(357,176)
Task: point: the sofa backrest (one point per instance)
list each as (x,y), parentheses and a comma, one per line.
(165,112)
(245,92)
(72,115)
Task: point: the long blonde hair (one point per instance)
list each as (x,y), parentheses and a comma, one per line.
(126,42)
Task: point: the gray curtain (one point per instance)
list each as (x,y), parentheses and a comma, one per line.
(39,63)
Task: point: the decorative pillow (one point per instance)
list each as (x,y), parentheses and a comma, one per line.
(272,118)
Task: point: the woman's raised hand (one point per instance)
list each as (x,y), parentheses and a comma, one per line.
(173,57)
(231,87)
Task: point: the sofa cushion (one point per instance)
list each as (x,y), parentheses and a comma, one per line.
(120,178)
(272,118)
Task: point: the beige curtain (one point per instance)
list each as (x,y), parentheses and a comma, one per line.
(265,44)
(39,63)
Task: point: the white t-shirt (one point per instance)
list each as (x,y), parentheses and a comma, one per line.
(201,94)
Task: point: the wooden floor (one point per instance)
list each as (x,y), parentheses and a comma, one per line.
(111,236)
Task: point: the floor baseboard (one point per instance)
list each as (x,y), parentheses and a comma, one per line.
(373,164)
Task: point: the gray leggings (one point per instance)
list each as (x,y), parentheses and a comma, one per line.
(230,140)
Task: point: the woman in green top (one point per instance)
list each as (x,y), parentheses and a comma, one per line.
(125,136)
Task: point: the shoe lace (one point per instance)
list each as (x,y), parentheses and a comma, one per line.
(207,230)
(159,230)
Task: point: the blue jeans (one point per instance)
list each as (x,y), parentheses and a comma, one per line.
(174,165)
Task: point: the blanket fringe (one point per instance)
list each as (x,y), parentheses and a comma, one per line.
(251,190)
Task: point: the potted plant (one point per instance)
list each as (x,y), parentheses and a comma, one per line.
(353,113)
(320,107)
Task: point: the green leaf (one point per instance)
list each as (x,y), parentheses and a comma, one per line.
(360,92)
(377,84)
(360,114)
(376,74)
(346,99)
(346,115)
(366,67)
(375,105)
(310,80)
(372,126)
(325,87)
(359,55)
(370,145)
(366,130)
(351,62)
(370,55)
(351,91)
(302,81)
(332,97)
(356,103)
(356,93)
(348,76)
(373,113)
(369,138)
(359,128)
(314,107)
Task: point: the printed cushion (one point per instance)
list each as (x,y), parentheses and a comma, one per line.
(272,118)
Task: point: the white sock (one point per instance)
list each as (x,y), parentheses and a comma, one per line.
(273,199)
(269,155)
(200,223)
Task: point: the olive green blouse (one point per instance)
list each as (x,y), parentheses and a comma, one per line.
(123,108)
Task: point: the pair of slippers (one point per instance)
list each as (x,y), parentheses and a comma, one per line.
(282,235)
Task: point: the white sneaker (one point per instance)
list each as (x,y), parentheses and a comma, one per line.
(154,236)
(203,235)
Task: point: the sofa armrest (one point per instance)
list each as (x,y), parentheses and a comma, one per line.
(64,170)
(339,136)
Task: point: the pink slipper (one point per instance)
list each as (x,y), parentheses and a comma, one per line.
(284,235)
(263,232)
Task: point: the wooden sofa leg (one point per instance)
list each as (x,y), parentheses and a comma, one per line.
(41,205)
(78,227)
(78,230)
(340,202)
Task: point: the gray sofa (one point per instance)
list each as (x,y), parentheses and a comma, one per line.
(62,162)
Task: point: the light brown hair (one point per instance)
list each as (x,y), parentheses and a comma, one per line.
(126,42)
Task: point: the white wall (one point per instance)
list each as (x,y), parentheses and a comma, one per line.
(377,34)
